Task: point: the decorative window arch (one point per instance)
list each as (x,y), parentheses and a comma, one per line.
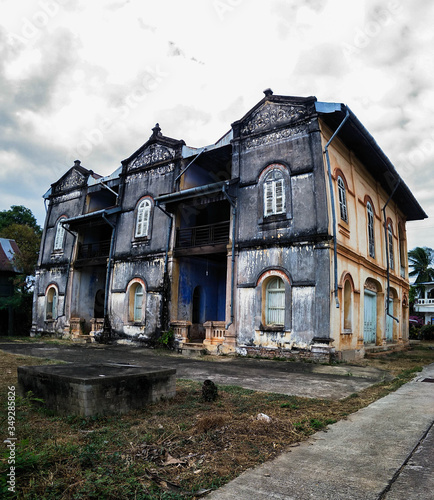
(274,192)
(342,192)
(60,235)
(143,219)
(371,235)
(390,246)
(51,299)
(136,301)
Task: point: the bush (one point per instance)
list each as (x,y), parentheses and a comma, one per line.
(427,332)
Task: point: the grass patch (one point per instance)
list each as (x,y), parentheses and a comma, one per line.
(174,449)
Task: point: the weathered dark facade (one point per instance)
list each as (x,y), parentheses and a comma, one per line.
(233,246)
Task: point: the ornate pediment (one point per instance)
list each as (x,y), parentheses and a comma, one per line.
(155,153)
(71,180)
(271,115)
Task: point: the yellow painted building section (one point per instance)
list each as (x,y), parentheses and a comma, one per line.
(361,275)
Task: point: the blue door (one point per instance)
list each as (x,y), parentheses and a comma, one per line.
(370,318)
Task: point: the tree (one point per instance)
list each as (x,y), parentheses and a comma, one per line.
(421,259)
(18,214)
(19,224)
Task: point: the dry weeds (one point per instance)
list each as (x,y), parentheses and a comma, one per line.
(178,448)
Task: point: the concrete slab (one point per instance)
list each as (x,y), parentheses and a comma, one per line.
(98,389)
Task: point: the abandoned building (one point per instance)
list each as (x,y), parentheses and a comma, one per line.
(285,237)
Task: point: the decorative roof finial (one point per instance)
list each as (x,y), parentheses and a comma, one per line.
(268,92)
(77,163)
(156,130)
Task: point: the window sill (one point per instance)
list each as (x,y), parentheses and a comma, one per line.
(347,332)
(270,328)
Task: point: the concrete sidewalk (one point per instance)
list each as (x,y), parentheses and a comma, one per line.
(384,451)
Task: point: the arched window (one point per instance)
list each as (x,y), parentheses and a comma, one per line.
(371,239)
(51,303)
(342,200)
(143,219)
(390,245)
(275,302)
(402,255)
(274,193)
(60,235)
(348,306)
(135,303)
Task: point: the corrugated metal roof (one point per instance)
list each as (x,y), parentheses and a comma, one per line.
(8,250)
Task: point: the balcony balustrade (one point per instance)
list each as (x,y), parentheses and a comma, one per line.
(424,302)
(93,250)
(211,234)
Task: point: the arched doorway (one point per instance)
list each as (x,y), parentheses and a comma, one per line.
(197,330)
(98,308)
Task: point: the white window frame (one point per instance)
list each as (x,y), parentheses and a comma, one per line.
(143,219)
(371,234)
(274,193)
(51,304)
(342,192)
(275,302)
(390,244)
(138,303)
(60,235)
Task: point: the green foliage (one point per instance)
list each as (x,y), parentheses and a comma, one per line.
(427,332)
(167,339)
(19,224)
(421,260)
(20,215)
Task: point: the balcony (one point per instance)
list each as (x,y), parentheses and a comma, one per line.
(424,305)
(97,250)
(211,235)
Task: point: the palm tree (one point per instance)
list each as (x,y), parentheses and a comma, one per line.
(420,259)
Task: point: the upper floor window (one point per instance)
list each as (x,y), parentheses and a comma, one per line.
(275,302)
(274,193)
(143,218)
(371,238)
(390,245)
(60,235)
(51,303)
(342,200)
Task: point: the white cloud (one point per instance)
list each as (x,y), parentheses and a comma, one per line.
(89,80)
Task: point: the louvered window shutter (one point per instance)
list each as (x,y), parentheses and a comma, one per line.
(279,196)
(268,199)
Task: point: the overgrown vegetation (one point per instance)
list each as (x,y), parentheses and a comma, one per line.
(175,449)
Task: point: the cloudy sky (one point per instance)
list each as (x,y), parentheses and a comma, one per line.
(89,79)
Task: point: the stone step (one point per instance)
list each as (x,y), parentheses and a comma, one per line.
(193,350)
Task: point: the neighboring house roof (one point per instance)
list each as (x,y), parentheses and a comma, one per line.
(8,250)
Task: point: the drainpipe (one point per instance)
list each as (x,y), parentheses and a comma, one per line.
(109,262)
(74,235)
(234,213)
(166,258)
(335,259)
(386,237)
